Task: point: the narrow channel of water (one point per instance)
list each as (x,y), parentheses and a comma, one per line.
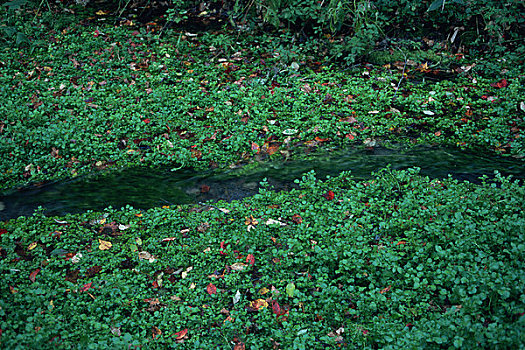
(146,188)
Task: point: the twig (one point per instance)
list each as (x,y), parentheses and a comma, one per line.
(402,75)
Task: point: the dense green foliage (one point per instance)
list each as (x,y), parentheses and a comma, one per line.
(97,95)
(399,261)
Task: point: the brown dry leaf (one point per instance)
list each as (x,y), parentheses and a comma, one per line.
(156,332)
(104,245)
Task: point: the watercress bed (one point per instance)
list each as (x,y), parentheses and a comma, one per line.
(399,261)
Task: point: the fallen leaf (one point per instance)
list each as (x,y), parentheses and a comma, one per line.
(238,266)
(239,346)
(276,308)
(500,84)
(259,304)
(251,220)
(180,335)
(156,332)
(104,245)
(211,289)
(33,274)
(250,259)
(329,195)
(75,259)
(383,291)
(237,297)
(146,256)
(297,218)
(32,246)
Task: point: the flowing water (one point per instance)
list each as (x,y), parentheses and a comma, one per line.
(146,188)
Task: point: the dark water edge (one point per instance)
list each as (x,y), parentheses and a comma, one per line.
(145,187)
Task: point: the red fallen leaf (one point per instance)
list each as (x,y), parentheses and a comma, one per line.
(181,334)
(500,84)
(365,332)
(3,231)
(155,284)
(329,195)
(255,147)
(239,346)
(86,287)
(33,274)
(318,139)
(350,136)
(146,120)
(250,259)
(211,289)
(276,308)
(437,133)
(401,242)
(223,246)
(205,189)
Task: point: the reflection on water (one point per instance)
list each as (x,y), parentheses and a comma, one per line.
(145,188)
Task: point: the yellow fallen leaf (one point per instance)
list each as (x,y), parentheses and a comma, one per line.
(104,245)
(32,246)
(259,304)
(263,290)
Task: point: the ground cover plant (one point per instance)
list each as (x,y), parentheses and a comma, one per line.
(99,95)
(399,261)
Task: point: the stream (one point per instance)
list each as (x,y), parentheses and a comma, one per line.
(145,187)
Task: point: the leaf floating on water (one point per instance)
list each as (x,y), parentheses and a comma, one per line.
(104,245)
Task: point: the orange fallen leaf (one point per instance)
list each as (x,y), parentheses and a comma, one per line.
(383,291)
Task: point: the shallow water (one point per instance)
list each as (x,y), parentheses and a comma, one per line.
(146,188)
